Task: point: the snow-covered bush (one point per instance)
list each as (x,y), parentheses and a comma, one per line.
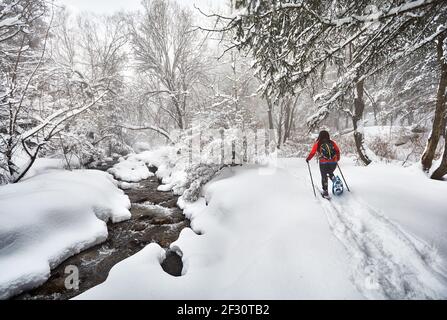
(197,176)
(346,144)
(399,144)
(297,147)
(382,149)
(75,148)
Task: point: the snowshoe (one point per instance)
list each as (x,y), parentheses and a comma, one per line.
(337,186)
(326,195)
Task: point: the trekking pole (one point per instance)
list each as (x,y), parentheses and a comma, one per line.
(343,177)
(311,179)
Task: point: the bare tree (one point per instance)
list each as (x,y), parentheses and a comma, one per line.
(103,42)
(40,96)
(286,114)
(168,53)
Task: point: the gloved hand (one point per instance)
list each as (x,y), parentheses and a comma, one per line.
(307,160)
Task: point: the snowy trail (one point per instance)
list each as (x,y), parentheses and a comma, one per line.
(387,262)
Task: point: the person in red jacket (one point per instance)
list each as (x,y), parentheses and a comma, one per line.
(328,154)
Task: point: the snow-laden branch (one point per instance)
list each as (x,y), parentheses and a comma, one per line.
(11,22)
(37,67)
(63,116)
(146,127)
(326,101)
(407,51)
(408,6)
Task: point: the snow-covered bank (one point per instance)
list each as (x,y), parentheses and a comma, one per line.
(266,236)
(50,217)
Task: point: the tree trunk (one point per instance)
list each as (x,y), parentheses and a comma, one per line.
(359,107)
(279,135)
(337,122)
(29,165)
(179,117)
(279,125)
(291,124)
(286,122)
(11,166)
(290,119)
(374,105)
(437,129)
(140,114)
(442,169)
(270,113)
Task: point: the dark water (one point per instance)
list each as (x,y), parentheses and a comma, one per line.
(155,218)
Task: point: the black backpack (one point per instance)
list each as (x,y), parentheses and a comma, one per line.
(327,150)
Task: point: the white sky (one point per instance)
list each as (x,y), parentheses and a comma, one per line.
(111,6)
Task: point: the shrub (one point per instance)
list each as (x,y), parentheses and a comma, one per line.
(383,149)
(197,176)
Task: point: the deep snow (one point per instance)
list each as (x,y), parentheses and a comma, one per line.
(265,236)
(49,217)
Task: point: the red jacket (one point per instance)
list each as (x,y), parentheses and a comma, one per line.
(314,150)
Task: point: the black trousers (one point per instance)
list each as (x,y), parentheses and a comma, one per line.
(327,169)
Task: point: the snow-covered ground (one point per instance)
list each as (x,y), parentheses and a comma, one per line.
(265,236)
(50,216)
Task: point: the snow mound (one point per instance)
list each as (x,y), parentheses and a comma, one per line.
(44,164)
(130,170)
(154,207)
(171,168)
(50,217)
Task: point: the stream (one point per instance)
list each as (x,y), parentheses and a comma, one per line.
(155,218)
